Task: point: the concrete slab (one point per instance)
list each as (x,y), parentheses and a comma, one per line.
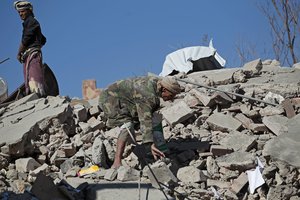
(286,147)
(124,190)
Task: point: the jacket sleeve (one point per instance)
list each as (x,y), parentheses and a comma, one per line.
(145,111)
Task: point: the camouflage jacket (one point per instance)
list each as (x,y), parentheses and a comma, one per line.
(130,100)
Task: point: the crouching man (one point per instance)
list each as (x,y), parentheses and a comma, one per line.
(133,101)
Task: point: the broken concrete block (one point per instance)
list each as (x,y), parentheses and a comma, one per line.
(80,112)
(203,98)
(26,164)
(128,174)
(44,169)
(254,66)
(96,124)
(212,166)
(177,113)
(94,110)
(221,98)
(99,153)
(276,123)
(191,100)
(191,174)
(162,173)
(218,77)
(245,120)
(238,141)
(285,147)
(69,149)
(258,127)
(85,127)
(219,150)
(111,174)
(239,183)
(241,161)
(271,110)
(221,122)
(112,133)
(218,183)
(109,150)
(273,98)
(289,108)
(44,150)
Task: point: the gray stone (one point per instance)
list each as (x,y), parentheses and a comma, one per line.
(95,124)
(203,98)
(111,174)
(112,133)
(276,123)
(239,183)
(237,161)
(162,173)
(26,164)
(99,153)
(238,141)
(94,110)
(254,66)
(218,183)
(219,150)
(80,112)
(128,174)
(212,166)
(221,122)
(190,174)
(285,147)
(177,113)
(218,77)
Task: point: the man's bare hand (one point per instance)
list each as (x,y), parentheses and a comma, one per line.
(156,152)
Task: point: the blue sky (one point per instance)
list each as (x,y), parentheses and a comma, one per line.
(108,40)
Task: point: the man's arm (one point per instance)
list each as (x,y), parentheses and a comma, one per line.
(145,111)
(20,52)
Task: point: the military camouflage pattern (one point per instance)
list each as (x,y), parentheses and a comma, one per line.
(131,100)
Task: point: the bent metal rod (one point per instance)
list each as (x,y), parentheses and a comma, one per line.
(232,93)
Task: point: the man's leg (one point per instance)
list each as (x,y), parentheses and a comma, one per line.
(121,143)
(119,153)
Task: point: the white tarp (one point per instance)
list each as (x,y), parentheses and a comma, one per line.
(180,60)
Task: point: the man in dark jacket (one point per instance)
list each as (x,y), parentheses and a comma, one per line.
(131,101)
(29,52)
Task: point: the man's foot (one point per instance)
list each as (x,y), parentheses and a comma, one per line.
(116,165)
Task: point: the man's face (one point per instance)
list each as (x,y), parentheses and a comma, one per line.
(23,14)
(166,95)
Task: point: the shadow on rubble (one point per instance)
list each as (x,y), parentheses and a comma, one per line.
(122,190)
(86,191)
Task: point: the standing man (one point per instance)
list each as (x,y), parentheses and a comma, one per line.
(132,101)
(30,49)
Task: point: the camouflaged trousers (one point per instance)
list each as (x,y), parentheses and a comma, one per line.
(117,114)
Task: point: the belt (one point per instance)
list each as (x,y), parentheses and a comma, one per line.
(28,52)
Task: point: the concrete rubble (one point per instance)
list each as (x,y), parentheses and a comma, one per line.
(213,139)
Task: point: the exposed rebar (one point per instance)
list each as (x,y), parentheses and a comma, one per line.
(232,93)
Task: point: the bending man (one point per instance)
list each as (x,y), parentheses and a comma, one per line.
(132,101)
(30,49)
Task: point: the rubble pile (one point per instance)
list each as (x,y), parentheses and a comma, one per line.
(221,146)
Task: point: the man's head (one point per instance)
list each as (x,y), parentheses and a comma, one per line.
(169,88)
(24,8)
